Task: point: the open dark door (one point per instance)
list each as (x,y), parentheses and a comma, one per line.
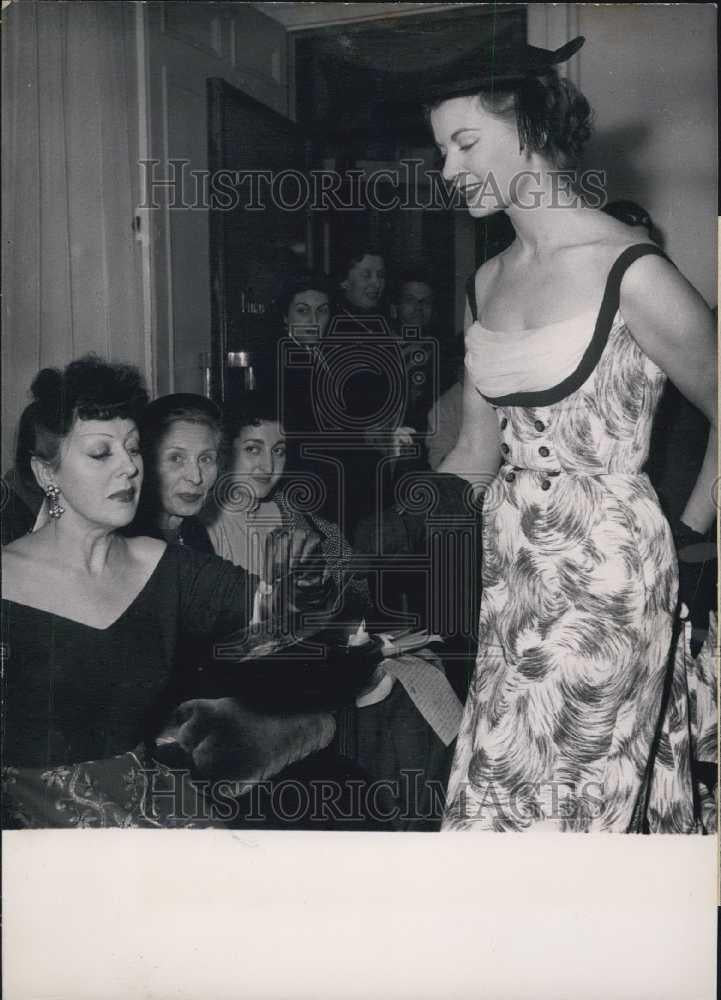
(258,219)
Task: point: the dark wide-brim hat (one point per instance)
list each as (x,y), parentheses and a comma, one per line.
(475,71)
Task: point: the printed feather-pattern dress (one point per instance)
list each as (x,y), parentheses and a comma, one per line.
(579,593)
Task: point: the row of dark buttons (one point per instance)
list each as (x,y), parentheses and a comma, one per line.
(542,451)
(538,424)
(545,484)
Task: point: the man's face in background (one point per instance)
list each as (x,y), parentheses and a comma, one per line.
(415,305)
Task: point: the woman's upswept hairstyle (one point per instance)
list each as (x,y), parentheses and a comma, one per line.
(86,389)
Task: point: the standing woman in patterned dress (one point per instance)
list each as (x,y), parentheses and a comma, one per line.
(575,719)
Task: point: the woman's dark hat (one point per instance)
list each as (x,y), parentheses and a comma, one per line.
(177,403)
(476,71)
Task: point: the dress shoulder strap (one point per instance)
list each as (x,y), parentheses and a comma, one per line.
(622,264)
(595,348)
(471,293)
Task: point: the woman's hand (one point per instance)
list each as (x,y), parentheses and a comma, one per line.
(292,552)
(391,442)
(403,438)
(294,574)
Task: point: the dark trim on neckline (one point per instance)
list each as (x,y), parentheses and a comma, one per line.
(592,354)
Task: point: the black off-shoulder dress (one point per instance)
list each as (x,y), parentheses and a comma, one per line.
(72,692)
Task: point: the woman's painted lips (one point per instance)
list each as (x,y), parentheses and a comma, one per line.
(470,189)
(125,496)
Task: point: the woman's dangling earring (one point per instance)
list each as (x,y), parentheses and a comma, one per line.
(55,510)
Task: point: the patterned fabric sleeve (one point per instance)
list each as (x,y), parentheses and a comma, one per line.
(129,790)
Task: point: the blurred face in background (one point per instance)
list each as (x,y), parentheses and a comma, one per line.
(415,304)
(259,454)
(308,316)
(366,282)
(186,468)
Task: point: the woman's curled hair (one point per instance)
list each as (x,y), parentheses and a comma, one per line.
(251,410)
(552,116)
(86,389)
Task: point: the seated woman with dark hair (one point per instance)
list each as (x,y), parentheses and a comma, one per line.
(254,497)
(180,439)
(92,621)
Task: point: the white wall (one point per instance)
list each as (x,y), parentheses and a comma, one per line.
(649,71)
(187,43)
(71,270)
(75,276)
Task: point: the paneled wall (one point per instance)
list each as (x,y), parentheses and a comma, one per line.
(89,88)
(71,267)
(187,43)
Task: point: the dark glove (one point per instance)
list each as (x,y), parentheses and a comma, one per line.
(225,739)
(429,494)
(456,496)
(696,554)
(296,568)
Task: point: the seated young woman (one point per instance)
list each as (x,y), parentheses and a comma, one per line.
(255,496)
(92,620)
(263,488)
(385,744)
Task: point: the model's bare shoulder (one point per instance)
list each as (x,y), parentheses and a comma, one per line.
(594,258)
(485,277)
(607,238)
